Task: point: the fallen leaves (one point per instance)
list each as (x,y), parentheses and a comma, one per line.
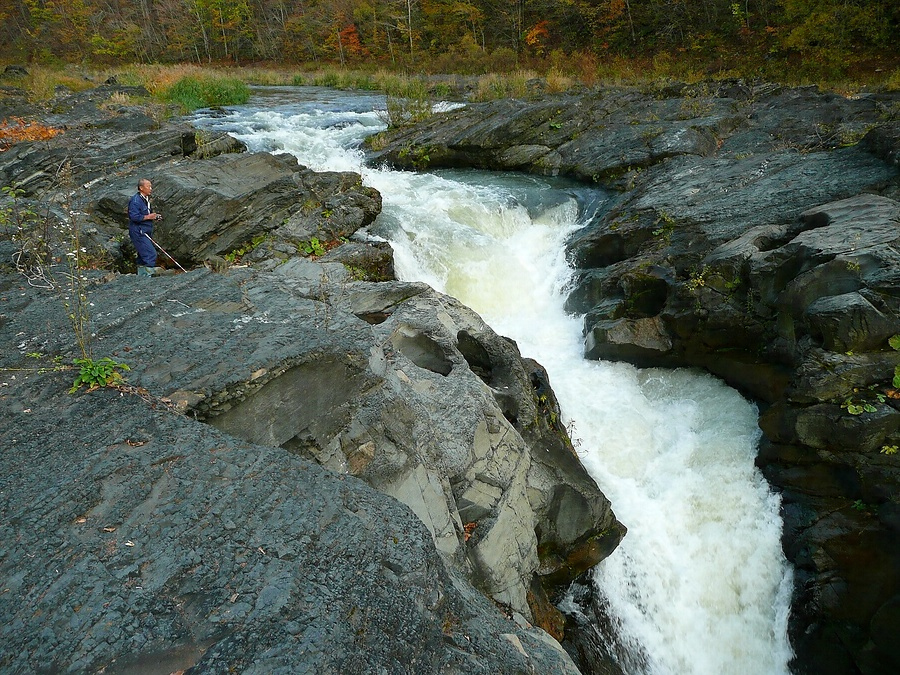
(15,130)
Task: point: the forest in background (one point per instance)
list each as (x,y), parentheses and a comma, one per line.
(775,39)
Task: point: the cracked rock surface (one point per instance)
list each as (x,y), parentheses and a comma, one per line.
(220,517)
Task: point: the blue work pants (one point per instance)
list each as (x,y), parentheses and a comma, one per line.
(146,253)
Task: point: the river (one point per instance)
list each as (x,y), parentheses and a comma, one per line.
(699,584)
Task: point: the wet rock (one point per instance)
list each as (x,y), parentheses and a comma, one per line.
(753,233)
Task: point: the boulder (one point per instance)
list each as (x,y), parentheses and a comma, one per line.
(210,209)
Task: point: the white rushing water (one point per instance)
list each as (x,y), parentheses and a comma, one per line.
(699,584)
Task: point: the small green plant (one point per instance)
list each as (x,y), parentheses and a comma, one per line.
(666,225)
(697,279)
(862,402)
(862,507)
(894,342)
(96,373)
(247,247)
(732,285)
(857,407)
(888,449)
(312,247)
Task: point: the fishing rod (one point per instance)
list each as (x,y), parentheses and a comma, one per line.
(164,251)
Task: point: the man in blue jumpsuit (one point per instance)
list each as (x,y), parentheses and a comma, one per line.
(140,223)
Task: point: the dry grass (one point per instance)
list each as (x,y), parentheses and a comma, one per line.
(558,82)
(561,72)
(513,85)
(41,82)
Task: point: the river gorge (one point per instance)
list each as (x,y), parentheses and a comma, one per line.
(691,289)
(699,584)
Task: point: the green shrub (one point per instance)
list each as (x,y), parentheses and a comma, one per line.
(203,92)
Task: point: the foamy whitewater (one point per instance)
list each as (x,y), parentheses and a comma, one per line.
(699,584)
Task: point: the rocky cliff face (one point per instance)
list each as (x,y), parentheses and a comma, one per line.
(753,232)
(181,515)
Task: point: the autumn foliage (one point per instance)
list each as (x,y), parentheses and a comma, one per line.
(15,130)
(462,36)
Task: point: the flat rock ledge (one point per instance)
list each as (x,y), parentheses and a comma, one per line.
(180,524)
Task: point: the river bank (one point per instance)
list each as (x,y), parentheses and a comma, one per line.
(702,252)
(480,515)
(755,236)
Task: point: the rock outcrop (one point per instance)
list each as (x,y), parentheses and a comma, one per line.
(135,539)
(752,231)
(215,201)
(181,515)
(231,539)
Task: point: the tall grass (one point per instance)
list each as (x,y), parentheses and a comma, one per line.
(487,76)
(408,102)
(192,92)
(41,82)
(512,85)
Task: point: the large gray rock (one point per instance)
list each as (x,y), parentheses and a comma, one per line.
(135,539)
(265,204)
(391,383)
(753,232)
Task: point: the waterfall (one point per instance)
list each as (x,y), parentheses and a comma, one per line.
(699,584)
